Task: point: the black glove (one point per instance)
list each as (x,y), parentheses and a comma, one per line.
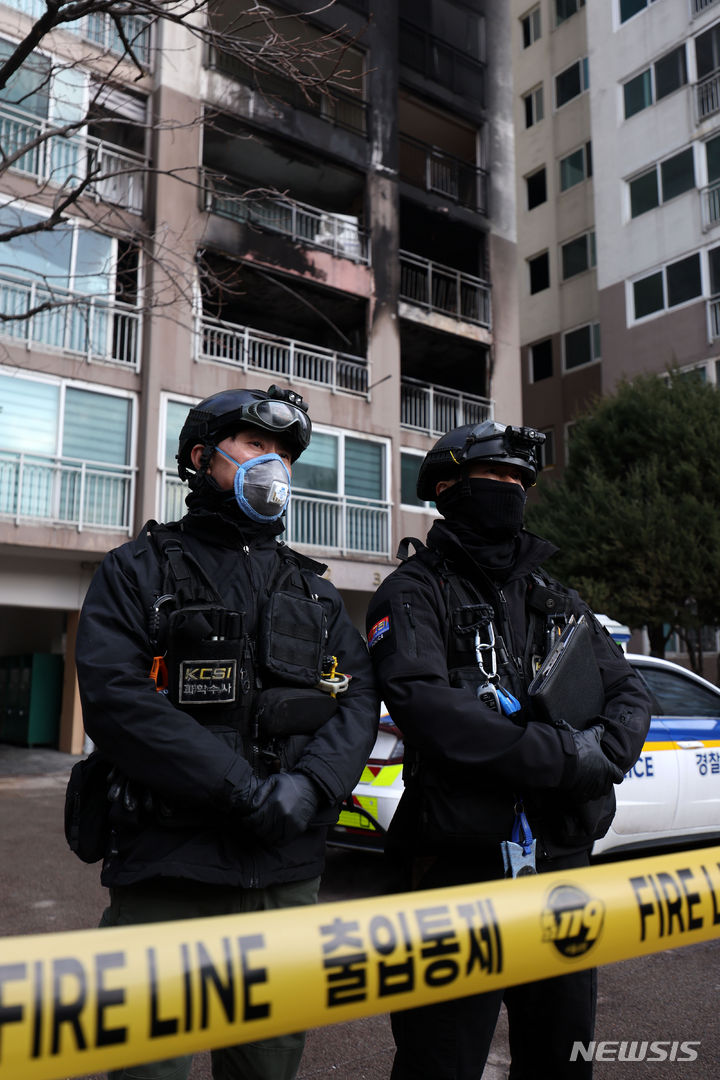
(594,773)
(283,807)
(242,787)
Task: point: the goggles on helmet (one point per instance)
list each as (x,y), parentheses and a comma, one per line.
(277,416)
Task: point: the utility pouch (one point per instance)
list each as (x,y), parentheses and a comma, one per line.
(207,662)
(293,638)
(284,710)
(87,810)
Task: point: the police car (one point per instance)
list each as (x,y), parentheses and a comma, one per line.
(672,793)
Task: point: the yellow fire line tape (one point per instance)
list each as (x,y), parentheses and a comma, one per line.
(85,1001)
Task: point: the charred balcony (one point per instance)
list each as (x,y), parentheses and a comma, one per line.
(312,87)
(279,191)
(435,405)
(443,267)
(441,155)
(257,321)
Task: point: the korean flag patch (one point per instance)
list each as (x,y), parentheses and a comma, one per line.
(378,631)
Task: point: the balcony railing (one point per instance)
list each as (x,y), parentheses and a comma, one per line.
(338,107)
(442,63)
(713,318)
(440,288)
(102,30)
(69,159)
(698,6)
(710,206)
(437,409)
(172,497)
(253,350)
(65,491)
(99,28)
(304,224)
(333,522)
(435,170)
(339,523)
(90,326)
(707,97)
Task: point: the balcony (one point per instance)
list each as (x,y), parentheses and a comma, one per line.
(710,206)
(697,7)
(302,223)
(344,110)
(436,287)
(88,326)
(436,171)
(437,409)
(69,159)
(336,523)
(442,63)
(252,350)
(713,318)
(63,491)
(100,29)
(707,97)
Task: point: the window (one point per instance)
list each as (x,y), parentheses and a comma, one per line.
(666,75)
(663,182)
(173,490)
(68,256)
(679,695)
(628,8)
(576,167)
(61,428)
(547,449)
(707,51)
(638,93)
(340,494)
(541,360)
(683,280)
(571,82)
(28,88)
(565,8)
(675,284)
(670,72)
(70,259)
(536,188)
(534,110)
(409,468)
(714,264)
(531,29)
(539,272)
(578,255)
(582,346)
(712,154)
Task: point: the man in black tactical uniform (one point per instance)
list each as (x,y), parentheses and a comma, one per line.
(456,634)
(229,763)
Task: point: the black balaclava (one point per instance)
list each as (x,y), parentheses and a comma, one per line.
(487,516)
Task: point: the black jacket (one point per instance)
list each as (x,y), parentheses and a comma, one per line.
(183,819)
(466,764)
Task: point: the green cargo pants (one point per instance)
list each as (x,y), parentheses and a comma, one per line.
(158,901)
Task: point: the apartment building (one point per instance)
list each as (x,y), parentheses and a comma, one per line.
(358,245)
(617,118)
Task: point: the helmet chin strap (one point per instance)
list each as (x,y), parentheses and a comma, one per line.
(201,477)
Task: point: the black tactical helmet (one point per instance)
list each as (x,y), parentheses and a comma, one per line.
(281,411)
(488,441)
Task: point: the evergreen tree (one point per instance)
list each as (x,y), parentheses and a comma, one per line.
(635,513)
